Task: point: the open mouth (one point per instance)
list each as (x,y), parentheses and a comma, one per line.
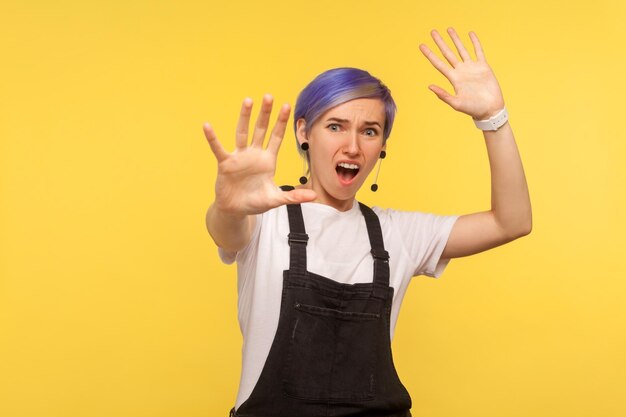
(347,172)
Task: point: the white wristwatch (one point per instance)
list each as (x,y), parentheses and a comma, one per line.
(494,122)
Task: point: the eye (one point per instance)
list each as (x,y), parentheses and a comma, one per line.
(371,132)
(334,127)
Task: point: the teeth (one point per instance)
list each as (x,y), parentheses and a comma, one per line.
(348,166)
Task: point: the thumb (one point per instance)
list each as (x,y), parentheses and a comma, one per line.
(443,95)
(299,196)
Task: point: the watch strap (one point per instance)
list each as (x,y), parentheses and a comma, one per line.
(493,123)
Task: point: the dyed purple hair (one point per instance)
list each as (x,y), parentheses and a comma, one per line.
(337,86)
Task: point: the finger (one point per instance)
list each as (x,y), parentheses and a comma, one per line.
(278,133)
(262,121)
(216,146)
(434,59)
(459,45)
(444,96)
(480,55)
(241,137)
(444,48)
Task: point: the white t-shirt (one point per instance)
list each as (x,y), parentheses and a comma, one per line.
(339,249)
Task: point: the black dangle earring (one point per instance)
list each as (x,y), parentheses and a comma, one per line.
(374,186)
(303,179)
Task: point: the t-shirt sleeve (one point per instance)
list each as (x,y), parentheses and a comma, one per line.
(424,237)
(228,257)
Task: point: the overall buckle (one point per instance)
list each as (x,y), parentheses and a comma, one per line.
(298,238)
(381,255)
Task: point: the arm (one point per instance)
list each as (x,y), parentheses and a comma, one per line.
(230,232)
(510,216)
(478,95)
(245,178)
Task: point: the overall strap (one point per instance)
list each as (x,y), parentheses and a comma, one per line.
(297,237)
(380,255)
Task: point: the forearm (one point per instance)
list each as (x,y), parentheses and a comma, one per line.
(510,201)
(229,232)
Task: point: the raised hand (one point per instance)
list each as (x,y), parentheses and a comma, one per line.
(477,90)
(245,177)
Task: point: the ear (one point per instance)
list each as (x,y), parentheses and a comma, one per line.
(384,148)
(301,131)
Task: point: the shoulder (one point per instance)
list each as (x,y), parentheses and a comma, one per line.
(414,222)
(422,237)
(399,216)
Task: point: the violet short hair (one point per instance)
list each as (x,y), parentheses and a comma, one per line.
(337,86)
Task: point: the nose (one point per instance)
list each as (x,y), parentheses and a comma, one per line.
(352,146)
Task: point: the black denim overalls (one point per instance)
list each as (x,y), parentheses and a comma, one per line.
(331,355)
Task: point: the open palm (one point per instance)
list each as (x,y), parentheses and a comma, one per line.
(245,177)
(476,88)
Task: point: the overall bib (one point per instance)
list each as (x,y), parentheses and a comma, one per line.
(331,355)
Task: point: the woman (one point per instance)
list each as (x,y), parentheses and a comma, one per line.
(320,276)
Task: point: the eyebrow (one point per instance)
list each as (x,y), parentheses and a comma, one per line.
(368,123)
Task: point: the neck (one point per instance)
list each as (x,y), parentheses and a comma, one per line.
(339,205)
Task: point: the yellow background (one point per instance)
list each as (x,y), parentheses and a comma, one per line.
(112,299)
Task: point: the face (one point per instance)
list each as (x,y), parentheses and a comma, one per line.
(344,146)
